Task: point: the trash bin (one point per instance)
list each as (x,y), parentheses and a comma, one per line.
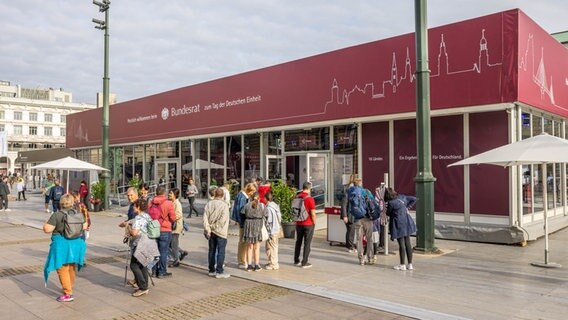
(335,226)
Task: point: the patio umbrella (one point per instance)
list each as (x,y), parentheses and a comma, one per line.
(69,164)
(542,149)
(202,164)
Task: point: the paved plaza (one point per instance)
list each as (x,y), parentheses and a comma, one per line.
(467,281)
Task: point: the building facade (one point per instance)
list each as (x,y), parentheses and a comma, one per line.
(33,119)
(494,80)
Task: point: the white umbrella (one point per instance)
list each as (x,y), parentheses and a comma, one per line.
(69,164)
(541,149)
(202,164)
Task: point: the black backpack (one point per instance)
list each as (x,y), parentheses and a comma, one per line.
(73,222)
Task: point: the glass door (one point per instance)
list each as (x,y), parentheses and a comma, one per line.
(317,165)
(313,167)
(167,174)
(273,168)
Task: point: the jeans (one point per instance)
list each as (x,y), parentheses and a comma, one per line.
(192,207)
(303,234)
(140,273)
(55,205)
(217,247)
(23,194)
(164,247)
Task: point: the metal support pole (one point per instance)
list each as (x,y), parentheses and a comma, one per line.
(104,6)
(386,228)
(424,177)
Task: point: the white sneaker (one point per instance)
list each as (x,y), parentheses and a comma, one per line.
(401,267)
(222,275)
(243,266)
(47,211)
(410,267)
(7,209)
(212,274)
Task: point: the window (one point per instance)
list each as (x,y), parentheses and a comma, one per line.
(48,131)
(18,130)
(17,115)
(2,129)
(62,132)
(33,131)
(48,117)
(33,116)
(1,114)
(63,118)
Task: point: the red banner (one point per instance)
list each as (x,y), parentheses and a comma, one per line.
(542,68)
(488,183)
(375,153)
(467,60)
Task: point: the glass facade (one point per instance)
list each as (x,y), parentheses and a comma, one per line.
(533,183)
(345,160)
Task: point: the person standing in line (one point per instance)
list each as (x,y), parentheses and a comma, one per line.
(263,188)
(140,243)
(65,255)
(401,225)
(216,229)
(305,229)
(166,217)
(46,188)
(177,253)
(21,188)
(132,195)
(237,215)
(350,243)
(84,193)
(4,193)
(254,220)
(363,226)
(226,192)
(191,193)
(273,226)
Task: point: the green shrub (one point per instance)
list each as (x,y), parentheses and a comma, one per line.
(283,196)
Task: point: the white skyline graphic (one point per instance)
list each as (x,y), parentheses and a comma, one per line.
(442,68)
(539,76)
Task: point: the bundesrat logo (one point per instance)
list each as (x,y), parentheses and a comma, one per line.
(165,113)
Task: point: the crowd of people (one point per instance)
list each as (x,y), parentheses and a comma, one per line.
(154,225)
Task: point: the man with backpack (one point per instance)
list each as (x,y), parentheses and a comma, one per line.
(304,228)
(363,208)
(55,194)
(162,209)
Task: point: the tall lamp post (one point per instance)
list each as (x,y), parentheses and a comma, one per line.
(103,25)
(424,177)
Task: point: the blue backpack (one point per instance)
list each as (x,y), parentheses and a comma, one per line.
(357,202)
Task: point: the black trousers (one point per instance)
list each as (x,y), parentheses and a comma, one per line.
(303,234)
(140,273)
(404,249)
(350,235)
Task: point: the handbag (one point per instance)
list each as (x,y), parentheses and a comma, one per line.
(264,232)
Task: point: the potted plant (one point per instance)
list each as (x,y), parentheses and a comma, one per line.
(97,195)
(283,196)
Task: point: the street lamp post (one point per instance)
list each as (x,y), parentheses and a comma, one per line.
(424,177)
(103,25)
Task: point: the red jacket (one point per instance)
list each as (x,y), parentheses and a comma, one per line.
(83,190)
(168,214)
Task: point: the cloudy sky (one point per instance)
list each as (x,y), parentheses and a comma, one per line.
(156,46)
